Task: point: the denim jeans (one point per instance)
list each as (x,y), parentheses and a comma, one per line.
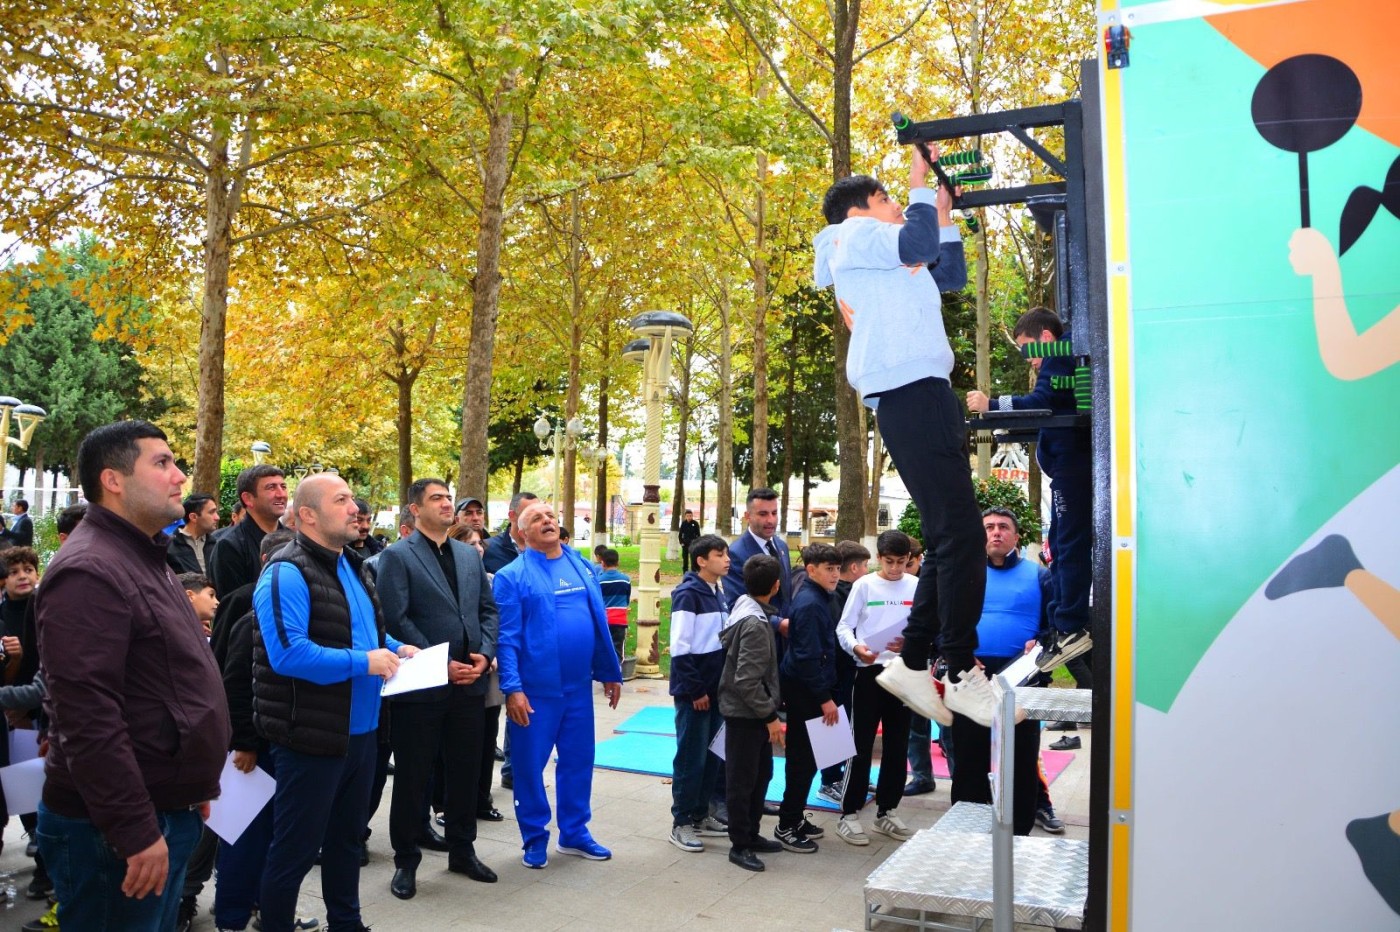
(88,874)
(694,769)
(920,750)
(240,865)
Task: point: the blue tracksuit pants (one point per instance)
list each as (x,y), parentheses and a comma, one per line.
(565,723)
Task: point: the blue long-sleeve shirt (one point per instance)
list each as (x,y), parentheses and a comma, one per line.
(303,658)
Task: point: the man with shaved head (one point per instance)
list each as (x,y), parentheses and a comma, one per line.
(320,655)
(553,643)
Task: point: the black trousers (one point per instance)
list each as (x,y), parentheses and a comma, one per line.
(201,864)
(490,733)
(972,764)
(871,706)
(923,429)
(748,766)
(419,731)
(800,765)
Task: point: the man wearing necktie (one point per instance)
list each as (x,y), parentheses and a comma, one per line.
(761,516)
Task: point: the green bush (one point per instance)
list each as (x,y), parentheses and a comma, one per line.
(228,486)
(989,492)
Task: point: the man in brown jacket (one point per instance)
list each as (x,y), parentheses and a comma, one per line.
(138,726)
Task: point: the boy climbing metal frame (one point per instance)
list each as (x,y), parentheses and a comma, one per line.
(1083,299)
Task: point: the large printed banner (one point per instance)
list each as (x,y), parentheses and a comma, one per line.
(1262,166)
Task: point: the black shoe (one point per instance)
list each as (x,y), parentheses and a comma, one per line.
(31,849)
(770,809)
(507,782)
(1064,647)
(1066,743)
(185,917)
(432,840)
(364,855)
(743,857)
(1062,726)
(405,883)
(792,839)
(809,830)
(471,865)
(41,887)
(500,755)
(489,815)
(919,787)
(761,845)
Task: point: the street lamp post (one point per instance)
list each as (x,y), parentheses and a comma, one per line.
(26,418)
(555,439)
(658,330)
(261,450)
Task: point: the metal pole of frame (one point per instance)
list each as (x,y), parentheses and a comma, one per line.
(1003,792)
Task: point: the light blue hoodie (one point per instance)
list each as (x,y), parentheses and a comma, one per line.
(889,296)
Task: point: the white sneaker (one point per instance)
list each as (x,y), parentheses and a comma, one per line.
(972,695)
(915,689)
(851,831)
(893,826)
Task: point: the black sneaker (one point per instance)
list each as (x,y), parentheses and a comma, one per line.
(743,857)
(811,831)
(762,845)
(185,918)
(792,839)
(1063,648)
(40,888)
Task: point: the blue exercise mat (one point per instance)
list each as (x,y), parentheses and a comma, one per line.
(638,752)
(653,720)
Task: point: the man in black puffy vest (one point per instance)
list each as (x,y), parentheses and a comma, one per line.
(320,654)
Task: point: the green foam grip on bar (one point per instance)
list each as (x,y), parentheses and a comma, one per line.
(1083,388)
(1047,350)
(960,158)
(1062,383)
(972,177)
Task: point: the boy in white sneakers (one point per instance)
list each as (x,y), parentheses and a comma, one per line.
(871,630)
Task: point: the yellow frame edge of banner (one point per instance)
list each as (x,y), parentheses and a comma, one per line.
(1123,484)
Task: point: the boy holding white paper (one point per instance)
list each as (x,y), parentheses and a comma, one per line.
(871,630)
(808,680)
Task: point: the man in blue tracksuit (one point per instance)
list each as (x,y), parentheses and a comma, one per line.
(1064,454)
(554,642)
(698,612)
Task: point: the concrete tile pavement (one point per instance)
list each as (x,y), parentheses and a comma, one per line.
(648,885)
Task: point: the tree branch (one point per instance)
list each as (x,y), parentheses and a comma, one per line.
(897,36)
(797,101)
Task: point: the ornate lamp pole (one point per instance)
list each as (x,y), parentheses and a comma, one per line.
(555,439)
(660,329)
(26,417)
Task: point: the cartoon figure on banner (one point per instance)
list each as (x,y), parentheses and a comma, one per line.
(1304,104)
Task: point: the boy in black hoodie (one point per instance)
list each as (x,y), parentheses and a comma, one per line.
(808,678)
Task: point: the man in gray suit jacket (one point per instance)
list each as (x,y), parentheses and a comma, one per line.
(433,590)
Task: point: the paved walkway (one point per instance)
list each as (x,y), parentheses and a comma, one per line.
(649,885)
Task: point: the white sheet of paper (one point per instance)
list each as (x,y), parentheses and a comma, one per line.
(831,744)
(1023,668)
(876,640)
(24,784)
(717,745)
(24,745)
(241,797)
(424,670)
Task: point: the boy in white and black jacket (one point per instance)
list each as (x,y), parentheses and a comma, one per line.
(698,611)
(749,697)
